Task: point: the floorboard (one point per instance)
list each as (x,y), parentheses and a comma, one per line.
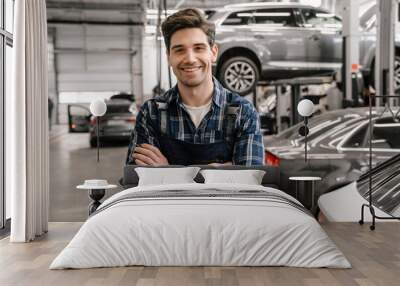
(374,255)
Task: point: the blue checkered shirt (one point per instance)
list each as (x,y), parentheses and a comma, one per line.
(247,140)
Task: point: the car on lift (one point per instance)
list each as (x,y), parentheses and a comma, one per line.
(269,41)
(344,204)
(79,115)
(116,125)
(337,146)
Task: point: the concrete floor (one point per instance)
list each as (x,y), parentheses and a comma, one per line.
(71,162)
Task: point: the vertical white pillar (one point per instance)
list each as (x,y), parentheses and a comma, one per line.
(351,34)
(384,54)
(136,61)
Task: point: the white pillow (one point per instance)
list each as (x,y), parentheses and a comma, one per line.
(166,176)
(248,177)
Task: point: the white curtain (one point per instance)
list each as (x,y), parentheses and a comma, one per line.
(27,124)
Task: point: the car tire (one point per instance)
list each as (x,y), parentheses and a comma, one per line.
(396,73)
(93,142)
(239,74)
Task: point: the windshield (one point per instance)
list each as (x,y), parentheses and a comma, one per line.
(320,19)
(318,125)
(209,13)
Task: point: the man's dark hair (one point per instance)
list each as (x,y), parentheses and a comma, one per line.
(187,18)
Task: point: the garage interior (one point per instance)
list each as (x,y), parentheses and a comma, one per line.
(98,49)
(103,48)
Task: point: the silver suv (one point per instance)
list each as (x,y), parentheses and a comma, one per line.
(267,41)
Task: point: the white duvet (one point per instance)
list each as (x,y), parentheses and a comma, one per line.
(200,231)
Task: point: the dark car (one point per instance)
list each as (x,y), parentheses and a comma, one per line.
(337,147)
(78,118)
(344,204)
(116,125)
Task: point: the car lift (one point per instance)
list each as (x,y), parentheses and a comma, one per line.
(350,53)
(295,94)
(384,74)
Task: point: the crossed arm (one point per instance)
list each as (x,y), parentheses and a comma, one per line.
(148,155)
(144,151)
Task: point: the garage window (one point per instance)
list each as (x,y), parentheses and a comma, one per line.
(275,17)
(209,13)
(239,18)
(282,17)
(386,136)
(357,139)
(320,19)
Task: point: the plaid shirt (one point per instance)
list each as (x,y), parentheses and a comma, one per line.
(246,139)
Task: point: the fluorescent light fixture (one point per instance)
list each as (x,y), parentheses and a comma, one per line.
(335,26)
(264,14)
(155,11)
(315,3)
(387,125)
(325,15)
(150,16)
(256,4)
(245,14)
(271,14)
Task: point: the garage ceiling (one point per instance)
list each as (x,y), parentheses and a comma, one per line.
(92,44)
(95,11)
(116,11)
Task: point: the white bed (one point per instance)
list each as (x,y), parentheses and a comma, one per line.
(203,231)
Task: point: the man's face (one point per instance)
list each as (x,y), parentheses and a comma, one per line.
(191,57)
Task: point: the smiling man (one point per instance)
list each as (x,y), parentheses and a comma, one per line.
(198,121)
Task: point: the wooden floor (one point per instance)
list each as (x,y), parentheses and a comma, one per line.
(375,257)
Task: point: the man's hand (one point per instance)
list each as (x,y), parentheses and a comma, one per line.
(149,155)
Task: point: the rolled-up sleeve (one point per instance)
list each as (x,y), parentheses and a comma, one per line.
(249,147)
(144,131)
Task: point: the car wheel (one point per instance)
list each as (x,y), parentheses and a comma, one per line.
(93,142)
(239,74)
(396,73)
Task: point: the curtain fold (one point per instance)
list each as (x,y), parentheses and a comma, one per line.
(28,123)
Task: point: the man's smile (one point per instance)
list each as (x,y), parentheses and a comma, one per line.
(191,69)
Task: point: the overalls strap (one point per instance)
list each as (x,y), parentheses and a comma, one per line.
(163,107)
